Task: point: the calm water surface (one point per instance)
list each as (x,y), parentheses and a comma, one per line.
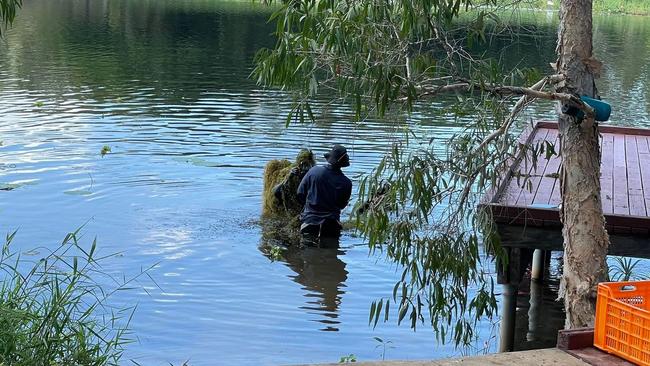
(165,85)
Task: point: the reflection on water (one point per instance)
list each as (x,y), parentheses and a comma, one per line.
(539,314)
(165,84)
(322,275)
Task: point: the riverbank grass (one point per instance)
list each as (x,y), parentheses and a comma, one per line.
(53,312)
(634,7)
(631,7)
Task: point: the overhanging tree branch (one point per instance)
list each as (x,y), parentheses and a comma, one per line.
(384,54)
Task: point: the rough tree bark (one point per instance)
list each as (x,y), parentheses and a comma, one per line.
(585,236)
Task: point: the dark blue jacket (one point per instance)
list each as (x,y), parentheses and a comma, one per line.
(325,191)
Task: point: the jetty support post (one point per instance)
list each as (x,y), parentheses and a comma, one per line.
(508,314)
(510,275)
(534,310)
(537,266)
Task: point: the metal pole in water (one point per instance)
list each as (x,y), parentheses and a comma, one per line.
(537,267)
(534,310)
(508,313)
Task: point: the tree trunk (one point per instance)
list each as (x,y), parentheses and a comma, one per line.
(585,236)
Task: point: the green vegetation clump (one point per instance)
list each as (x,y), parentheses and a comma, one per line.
(105,150)
(280,215)
(52,312)
(275,172)
(351,358)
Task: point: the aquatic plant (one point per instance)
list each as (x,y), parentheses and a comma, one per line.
(384,345)
(275,253)
(280,212)
(624,269)
(287,176)
(274,172)
(351,358)
(105,150)
(53,311)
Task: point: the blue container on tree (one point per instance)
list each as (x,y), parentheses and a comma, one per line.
(602,110)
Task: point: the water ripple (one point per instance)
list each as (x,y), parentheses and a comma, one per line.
(165,85)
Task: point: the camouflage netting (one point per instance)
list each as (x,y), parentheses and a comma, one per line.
(281,210)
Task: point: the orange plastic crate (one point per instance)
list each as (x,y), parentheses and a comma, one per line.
(622,324)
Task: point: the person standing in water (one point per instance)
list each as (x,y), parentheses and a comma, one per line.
(324,191)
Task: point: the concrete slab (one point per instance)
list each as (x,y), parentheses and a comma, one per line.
(541,357)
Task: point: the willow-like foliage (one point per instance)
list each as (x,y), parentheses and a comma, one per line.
(8,11)
(419,205)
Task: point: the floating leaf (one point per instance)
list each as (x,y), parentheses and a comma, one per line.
(196,161)
(78,192)
(12,186)
(9,186)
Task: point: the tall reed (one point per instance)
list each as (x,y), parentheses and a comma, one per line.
(54,311)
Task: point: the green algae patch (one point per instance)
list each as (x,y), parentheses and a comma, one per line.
(280,206)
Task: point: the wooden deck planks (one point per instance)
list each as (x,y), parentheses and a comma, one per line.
(606,173)
(634,187)
(500,189)
(514,189)
(547,181)
(625,182)
(556,198)
(621,202)
(534,171)
(643,145)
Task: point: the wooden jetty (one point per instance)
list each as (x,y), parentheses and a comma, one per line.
(625,182)
(524,204)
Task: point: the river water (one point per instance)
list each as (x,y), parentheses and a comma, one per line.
(165,85)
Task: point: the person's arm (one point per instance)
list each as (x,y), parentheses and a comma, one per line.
(346,192)
(303,187)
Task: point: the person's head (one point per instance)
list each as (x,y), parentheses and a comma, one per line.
(338,156)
